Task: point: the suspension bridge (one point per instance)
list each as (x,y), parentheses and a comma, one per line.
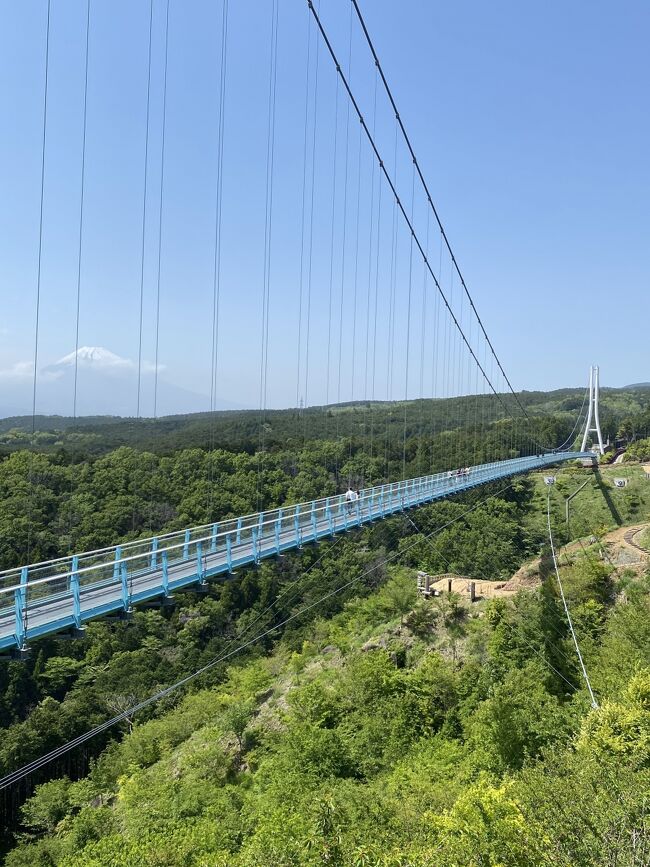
(380,306)
(65,593)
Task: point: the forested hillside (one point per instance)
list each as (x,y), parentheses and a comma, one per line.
(398,732)
(552,414)
(367,726)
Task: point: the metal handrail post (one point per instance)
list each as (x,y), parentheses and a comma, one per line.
(186,546)
(229,552)
(76,594)
(165,573)
(125,587)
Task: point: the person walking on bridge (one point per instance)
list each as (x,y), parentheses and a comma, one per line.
(351,498)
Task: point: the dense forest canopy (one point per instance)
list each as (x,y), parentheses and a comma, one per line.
(374,727)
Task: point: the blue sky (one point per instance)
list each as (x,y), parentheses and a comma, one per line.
(531,124)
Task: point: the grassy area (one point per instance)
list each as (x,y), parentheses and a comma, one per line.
(643,539)
(600,506)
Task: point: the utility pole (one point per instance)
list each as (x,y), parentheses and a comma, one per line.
(593,419)
(568,500)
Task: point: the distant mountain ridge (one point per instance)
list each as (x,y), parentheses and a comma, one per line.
(107,385)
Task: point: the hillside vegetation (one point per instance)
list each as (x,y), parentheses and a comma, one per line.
(400,732)
(553,414)
(367,726)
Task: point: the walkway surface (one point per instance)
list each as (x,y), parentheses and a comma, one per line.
(62,594)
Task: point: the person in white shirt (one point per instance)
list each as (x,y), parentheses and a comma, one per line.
(351,498)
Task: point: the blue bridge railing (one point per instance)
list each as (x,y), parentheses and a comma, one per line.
(66,592)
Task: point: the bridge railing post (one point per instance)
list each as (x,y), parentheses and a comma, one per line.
(126,598)
(313,519)
(199,561)
(296,524)
(229,552)
(256,544)
(20,609)
(238,536)
(278,528)
(76,593)
(154,552)
(19,617)
(213,540)
(186,546)
(116,563)
(328,515)
(165,573)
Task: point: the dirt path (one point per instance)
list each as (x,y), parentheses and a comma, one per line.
(622,550)
(630,538)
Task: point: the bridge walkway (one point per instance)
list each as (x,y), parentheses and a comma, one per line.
(61,594)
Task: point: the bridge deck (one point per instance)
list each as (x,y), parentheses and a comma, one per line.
(65,593)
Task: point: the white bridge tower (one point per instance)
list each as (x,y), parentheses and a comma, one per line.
(593,420)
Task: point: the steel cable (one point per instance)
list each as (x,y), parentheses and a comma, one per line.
(594,703)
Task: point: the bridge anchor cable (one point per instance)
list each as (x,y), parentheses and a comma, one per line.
(594,703)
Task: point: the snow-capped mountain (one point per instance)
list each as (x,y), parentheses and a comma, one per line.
(107,384)
(93,356)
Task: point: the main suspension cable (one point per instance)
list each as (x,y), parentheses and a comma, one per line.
(398,202)
(428,194)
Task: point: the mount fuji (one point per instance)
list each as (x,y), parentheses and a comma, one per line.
(107,384)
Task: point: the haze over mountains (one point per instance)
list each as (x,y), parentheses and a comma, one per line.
(107,384)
